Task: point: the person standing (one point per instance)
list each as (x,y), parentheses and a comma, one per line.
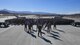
(55,25)
(39,26)
(25,25)
(39,30)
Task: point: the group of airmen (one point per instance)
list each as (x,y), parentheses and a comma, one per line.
(40,23)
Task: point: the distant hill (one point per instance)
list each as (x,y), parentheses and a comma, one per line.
(5,11)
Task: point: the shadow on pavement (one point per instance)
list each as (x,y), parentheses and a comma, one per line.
(32,33)
(57,37)
(4,27)
(55,32)
(46,30)
(60,30)
(46,40)
(35,30)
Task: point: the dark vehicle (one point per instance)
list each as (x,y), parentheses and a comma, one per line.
(76,24)
(62,21)
(16,21)
(3,25)
(52,21)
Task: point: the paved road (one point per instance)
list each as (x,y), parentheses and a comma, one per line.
(63,35)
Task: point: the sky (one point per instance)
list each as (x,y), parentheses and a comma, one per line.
(51,6)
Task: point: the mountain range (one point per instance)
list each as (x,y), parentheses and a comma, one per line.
(5,11)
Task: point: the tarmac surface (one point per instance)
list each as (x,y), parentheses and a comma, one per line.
(63,35)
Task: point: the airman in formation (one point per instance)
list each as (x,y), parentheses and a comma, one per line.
(39,23)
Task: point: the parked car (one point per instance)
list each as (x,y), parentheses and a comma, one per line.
(76,24)
(62,21)
(3,25)
(16,21)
